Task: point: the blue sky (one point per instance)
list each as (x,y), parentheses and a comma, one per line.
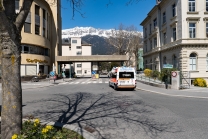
(99,15)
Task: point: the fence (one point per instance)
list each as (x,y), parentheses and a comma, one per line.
(148,79)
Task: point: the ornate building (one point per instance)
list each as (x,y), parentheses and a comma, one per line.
(41,35)
(176,33)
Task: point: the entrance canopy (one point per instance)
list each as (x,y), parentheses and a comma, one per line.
(91,58)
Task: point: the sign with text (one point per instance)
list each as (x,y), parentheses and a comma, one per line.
(168,66)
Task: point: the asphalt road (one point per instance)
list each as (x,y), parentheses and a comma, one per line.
(123,114)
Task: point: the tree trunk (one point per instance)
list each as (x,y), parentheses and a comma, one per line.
(11,114)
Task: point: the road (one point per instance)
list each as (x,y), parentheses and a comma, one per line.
(109,114)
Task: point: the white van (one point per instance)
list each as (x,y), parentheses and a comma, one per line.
(123,77)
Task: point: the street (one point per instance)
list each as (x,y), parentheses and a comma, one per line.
(108,114)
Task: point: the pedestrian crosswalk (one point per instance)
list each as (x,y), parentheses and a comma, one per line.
(85,82)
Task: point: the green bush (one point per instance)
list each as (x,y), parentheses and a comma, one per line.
(166,73)
(155,74)
(200,82)
(148,72)
(32,129)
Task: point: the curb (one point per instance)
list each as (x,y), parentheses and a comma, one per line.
(171,95)
(83,132)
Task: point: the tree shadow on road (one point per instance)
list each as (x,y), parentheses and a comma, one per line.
(107,116)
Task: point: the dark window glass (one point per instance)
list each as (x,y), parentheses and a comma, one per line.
(37,9)
(74,41)
(173,10)
(37,29)
(126,75)
(27,27)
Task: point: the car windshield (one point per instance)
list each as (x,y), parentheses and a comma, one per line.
(126,74)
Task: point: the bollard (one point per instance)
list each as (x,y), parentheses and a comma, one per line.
(166,84)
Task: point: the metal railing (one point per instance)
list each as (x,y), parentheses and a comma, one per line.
(148,79)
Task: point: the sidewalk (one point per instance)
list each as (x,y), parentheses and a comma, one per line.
(193,92)
(44,83)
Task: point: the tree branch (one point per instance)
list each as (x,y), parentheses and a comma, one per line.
(21,17)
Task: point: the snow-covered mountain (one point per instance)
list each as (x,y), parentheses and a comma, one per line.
(83,31)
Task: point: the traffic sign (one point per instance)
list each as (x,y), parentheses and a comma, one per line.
(52,73)
(93,72)
(174,74)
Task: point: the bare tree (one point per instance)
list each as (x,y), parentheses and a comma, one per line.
(135,44)
(118,39)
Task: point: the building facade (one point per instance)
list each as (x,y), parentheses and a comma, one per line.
(76,47)
(41,35)
(176,33)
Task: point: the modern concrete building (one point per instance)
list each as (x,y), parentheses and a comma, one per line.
(76,47)
(41,36)
(176,32)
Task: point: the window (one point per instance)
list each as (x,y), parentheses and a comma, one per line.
(37,29)
(44,32)
(150,28)
(155,22)
(145,32)
(174,34)
(25,49)
(173,10)
(79,53)
(207,30)
(44,22)
(192,61)
(207,62)
(150,44)
(192,30)
(16,4)
(191,5)
(146,47)
(174,61)
(37,9)
(74,41)
(27,27)
(79,47)
(150,64)
(155,42)
(69,48)
(164,17)
(79,65)
(207,5)
(164,38)
(164,60)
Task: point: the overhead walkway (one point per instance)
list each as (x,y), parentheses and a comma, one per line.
(91,58)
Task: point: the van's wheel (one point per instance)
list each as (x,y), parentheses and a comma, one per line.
(115,87)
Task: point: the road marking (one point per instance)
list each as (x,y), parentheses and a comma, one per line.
(76,83)
(100,82)
(94,82)
(106,81)
(82,82)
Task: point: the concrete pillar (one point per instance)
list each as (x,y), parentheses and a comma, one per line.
(175,75)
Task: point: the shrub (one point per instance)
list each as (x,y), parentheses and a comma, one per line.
(200,82)
(147,72)
(166,73)
(155,74)
(34,130)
